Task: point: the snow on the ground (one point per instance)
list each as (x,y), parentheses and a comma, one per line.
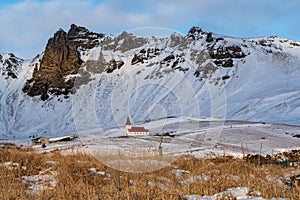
(40,182)
(94,171)
(12,165)
(43,180)
(240,193)
(236,138)
(187,137)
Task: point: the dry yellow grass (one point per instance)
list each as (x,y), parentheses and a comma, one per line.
(186,175)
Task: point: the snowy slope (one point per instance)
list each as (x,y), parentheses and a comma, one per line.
(199,75)
(23,116)
(261,87)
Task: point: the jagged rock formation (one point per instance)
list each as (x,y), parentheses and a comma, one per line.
(83,37)
(114,64)
(60,61)
(9,65)
(221,53)
(145,54)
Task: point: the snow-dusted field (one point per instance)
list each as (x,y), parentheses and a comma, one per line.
(182,136)
(241,193)
(193,134)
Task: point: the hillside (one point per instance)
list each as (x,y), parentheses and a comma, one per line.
(91,81)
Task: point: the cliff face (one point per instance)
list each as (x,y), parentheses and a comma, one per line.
(60,60)
(83,37)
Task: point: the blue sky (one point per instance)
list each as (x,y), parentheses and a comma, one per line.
(26,25)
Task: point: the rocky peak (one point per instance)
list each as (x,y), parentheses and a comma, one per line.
(196,33)
(194,30)
(58,37)
(61,58)
(83,37)
(62,52)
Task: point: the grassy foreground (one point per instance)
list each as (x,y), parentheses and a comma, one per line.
(26,174)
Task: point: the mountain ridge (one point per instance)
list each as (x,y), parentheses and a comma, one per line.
(150,77)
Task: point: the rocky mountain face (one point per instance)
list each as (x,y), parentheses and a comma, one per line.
(84,38)
(60,61)
(86,80)
(9,65)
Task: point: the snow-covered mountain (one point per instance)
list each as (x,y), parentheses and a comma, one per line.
(85,80)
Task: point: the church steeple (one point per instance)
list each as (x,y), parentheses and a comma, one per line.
(128,123)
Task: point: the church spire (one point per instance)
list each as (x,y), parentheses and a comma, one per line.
(128,122)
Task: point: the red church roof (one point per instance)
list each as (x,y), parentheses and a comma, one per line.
(138,129)
(135,129)
(128,121)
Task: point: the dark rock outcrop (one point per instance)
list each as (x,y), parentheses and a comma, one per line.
(61,58)
(144,55)
(209,37)
(83,37)
(233,51)
(114,64)
(137,59)
(224,55)
(173,61)
(221,53)
(196,33)
(10,65)
(224,63)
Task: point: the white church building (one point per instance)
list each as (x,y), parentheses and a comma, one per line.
(134,130)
